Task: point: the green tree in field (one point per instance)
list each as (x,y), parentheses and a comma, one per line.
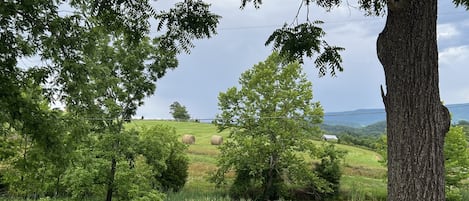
(270,118)
(417,121)
(179,111)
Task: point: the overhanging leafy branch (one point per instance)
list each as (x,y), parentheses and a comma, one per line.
(305,39)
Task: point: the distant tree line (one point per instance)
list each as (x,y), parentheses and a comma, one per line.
(365,137)
(368,136)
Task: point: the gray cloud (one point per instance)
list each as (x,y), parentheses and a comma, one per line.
(216,64)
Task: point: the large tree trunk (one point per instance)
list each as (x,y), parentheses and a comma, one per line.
(416,119)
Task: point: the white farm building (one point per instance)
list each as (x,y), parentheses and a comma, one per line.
(330,138)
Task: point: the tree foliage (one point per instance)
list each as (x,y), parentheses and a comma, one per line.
(304,40)
(270,118)
(456,156)
(382,149)
(98,61)
(188,20)
(179,111)
(114,79)
(166,155)
(63,40)
(150,161)
(329,169)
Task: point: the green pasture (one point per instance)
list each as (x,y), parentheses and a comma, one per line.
(364,176)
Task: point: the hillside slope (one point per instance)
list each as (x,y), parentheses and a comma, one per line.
(361,167)
(363,117)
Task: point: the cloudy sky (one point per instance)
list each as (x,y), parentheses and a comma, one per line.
(216,64)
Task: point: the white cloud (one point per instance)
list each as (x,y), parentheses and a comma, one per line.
(454,56)
(447,31)
(453,74)
(455,95)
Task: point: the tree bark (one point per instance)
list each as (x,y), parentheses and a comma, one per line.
(110,185)
(417,121)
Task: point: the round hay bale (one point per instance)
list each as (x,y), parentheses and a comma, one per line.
(188,139)
(216,140)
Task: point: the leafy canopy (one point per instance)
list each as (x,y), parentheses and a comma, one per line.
(97,59)
(179,111)
(64,40)
(270,118)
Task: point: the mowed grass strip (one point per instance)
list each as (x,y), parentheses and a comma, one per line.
(362,162)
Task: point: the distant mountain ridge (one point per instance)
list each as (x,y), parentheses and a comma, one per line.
(364,117)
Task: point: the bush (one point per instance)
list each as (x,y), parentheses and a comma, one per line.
(329,169)
(152,195)
(136,183)
(244,187)
(84,183)
(166,156)
(3,186)
(175,175)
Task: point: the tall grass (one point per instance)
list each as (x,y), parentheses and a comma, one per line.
(465,193)
(194,195)
(357,188)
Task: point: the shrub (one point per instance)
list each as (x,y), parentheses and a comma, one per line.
(152,195)
(136,183)
(166,156)
(175,175)
(329,168)
(3,187)
(244,187)
(84,183)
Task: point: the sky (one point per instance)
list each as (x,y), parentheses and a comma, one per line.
(216,64)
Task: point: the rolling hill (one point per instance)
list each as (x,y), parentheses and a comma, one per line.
(364,117)
(361,167)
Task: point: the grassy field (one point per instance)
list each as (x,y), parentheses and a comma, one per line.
(364,176)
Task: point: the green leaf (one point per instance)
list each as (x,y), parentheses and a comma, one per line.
(464,3)
(305,40)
